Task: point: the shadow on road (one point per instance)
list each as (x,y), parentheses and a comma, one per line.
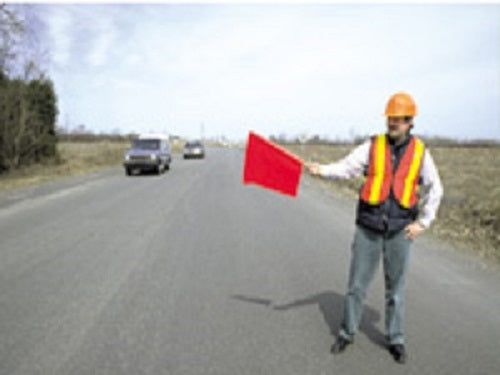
(331,306)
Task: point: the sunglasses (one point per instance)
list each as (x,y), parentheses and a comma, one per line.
(405,118)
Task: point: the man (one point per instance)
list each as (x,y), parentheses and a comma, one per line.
(388,218)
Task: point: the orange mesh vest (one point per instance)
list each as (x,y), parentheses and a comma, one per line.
(381,179)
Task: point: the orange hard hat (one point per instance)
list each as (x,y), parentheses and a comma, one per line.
(401,104)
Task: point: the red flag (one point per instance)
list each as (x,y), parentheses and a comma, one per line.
(270,166)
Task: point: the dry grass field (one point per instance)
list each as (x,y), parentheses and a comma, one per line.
(75,158)
(469,215)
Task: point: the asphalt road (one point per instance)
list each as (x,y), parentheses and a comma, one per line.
(191,272)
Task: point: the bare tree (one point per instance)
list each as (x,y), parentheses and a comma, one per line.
(22,53)
(11,32)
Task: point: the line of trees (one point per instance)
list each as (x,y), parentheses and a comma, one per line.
(28,102)
(82,134)
(435,141)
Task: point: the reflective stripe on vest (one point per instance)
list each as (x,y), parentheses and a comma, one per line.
(380,178)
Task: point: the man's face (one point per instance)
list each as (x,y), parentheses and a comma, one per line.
(398,127)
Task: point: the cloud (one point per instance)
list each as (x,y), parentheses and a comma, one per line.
(60,35)
(105,33)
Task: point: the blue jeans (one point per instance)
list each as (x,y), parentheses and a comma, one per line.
(367,247)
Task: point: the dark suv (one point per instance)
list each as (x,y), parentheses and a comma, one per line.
(148,153)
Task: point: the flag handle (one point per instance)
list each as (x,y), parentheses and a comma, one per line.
(280,148)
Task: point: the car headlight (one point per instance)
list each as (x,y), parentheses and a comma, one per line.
(127,157)
(152,156)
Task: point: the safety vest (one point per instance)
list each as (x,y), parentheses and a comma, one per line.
(381,179)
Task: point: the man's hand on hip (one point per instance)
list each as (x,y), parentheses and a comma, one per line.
(414,230)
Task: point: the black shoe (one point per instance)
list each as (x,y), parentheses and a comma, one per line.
(339,345)
(398,352)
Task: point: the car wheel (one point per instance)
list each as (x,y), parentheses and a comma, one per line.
(128,171)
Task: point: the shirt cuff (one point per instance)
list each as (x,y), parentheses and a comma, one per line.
(426,223)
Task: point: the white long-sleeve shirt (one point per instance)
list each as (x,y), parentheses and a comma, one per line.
(354,164)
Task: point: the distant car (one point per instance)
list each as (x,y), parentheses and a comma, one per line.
(150,152)
(194,149)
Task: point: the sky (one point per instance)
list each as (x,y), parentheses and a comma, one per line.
(279,69)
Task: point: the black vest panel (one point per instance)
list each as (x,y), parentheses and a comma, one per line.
(389,216)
